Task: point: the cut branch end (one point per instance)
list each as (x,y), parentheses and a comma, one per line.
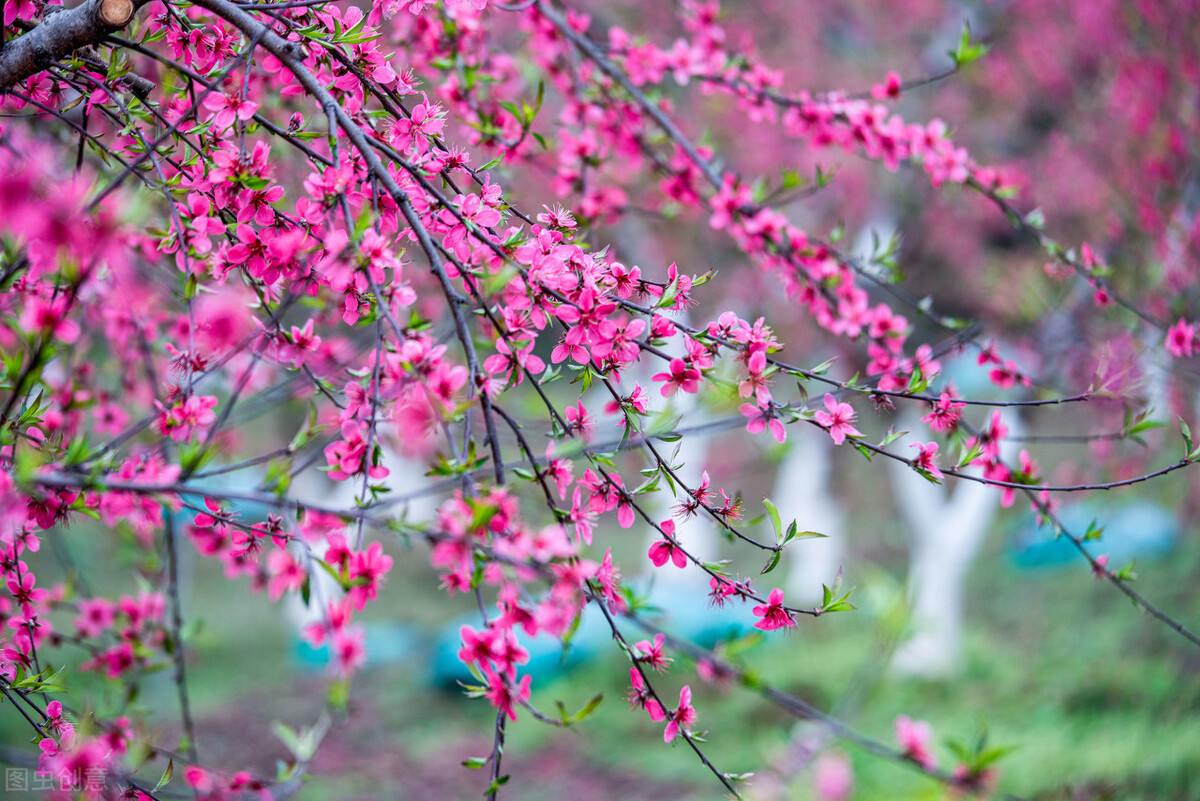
(116,13)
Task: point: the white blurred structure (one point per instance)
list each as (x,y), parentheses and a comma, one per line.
(406,476)
(947,525)
(804,492)
(698,534)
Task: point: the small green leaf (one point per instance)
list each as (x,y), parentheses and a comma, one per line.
(585,712)
(792,179)
(776,522)
(1143,425)
(669,294)
(974,453)
(808,535)
(892,436)
(839,604)
(1126,573)
(166,777)
(967,51)
(823,367)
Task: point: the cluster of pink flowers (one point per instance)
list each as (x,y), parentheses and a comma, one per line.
(136,623)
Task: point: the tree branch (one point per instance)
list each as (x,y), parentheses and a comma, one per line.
(61,34)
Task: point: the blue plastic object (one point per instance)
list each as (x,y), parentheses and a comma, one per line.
(1137,530)
(385,643)
(683,613)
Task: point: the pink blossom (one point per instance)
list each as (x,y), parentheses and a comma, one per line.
(833,777)
(652,653)
(773,614)
(763,417)
(49,319)
(681,376)
(926,458)
(504,693)
(1181,339)
(181,421)
(837,420)
(640,698)
(889,89)
(348,650)
(229,107)
(609,580)
(666,549)
(945,414)
(683,716)
(914,737)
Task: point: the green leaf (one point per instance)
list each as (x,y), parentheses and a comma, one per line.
(772,562)
(830,603)
(1143,425)
(166,777)
(824,179)
(988,756)
(475,763)
(792,179)
(669,294)
(1126,573)
(568,637)
(807,535)
(583,713)
(496,785)
(1135,425)
(967,51)
(823,367)
(738,777)
(837,583)
(511,108)
(974,453)
(776,522)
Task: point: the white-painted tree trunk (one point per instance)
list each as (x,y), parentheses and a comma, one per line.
(946,528)
(406,476)
(697,534)
(803,492)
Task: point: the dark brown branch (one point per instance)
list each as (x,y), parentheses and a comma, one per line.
(61,34)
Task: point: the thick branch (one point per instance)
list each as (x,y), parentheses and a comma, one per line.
(61,34)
